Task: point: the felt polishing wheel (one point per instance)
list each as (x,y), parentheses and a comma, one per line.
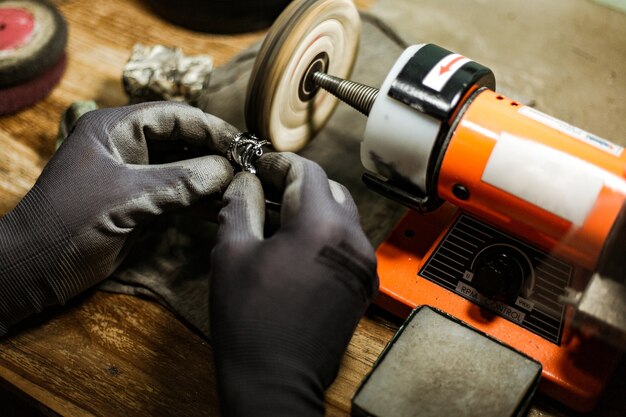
(20,96)
(282,103)
(33,35)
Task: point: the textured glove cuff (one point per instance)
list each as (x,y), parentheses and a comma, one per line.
(269,370)
(39,264)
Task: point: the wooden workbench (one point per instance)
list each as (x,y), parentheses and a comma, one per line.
(115,355)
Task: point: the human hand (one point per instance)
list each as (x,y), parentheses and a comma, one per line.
(284,307)
(70,231)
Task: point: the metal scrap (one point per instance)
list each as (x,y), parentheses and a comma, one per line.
(164,73)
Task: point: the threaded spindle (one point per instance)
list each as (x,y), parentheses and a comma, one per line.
(359,96)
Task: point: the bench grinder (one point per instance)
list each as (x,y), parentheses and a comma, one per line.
(517,217)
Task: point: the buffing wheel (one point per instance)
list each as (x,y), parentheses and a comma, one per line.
(33,35)
(282,103)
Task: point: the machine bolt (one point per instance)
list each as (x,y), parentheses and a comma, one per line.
(359,96)
(460,191)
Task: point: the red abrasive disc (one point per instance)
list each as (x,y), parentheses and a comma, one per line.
(33,36)
(19,96)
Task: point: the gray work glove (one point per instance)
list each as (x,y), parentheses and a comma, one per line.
(283,308)
(69,232)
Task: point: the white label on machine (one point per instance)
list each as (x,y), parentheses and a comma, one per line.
(444,70)
(524,303)
(550,179)
(573,131)
(504,310)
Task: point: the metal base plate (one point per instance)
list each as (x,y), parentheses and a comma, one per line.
(439,366)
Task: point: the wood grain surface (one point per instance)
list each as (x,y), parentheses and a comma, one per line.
(95,359)
(115,355)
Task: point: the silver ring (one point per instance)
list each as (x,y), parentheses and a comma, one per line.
(244,149)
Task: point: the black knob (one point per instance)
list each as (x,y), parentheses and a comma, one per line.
(499,273)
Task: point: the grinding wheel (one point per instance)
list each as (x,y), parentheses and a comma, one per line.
(283,103)
(33,35)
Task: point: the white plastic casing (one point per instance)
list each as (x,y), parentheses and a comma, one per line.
(397,137)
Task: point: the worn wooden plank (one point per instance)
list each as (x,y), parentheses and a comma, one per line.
(116,355)
(112,355)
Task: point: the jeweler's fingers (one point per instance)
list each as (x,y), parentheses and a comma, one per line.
(167,187)
(243,215)
(129,128)
(176,121)
(343,197)
(303,185)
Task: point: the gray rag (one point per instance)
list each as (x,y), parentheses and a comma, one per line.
(169,263)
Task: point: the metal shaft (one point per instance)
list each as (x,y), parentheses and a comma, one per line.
(359,96)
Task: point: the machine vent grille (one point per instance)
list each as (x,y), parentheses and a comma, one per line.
(537,308)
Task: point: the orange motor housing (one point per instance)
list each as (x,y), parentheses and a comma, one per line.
(572,224)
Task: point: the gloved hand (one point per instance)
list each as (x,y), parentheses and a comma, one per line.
(284,307)
(70,230)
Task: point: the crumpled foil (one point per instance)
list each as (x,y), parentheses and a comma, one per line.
(163,73)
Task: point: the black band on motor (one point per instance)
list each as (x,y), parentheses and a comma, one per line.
(409,87)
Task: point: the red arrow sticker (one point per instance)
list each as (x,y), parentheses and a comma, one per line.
(439,75)
(445,68)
